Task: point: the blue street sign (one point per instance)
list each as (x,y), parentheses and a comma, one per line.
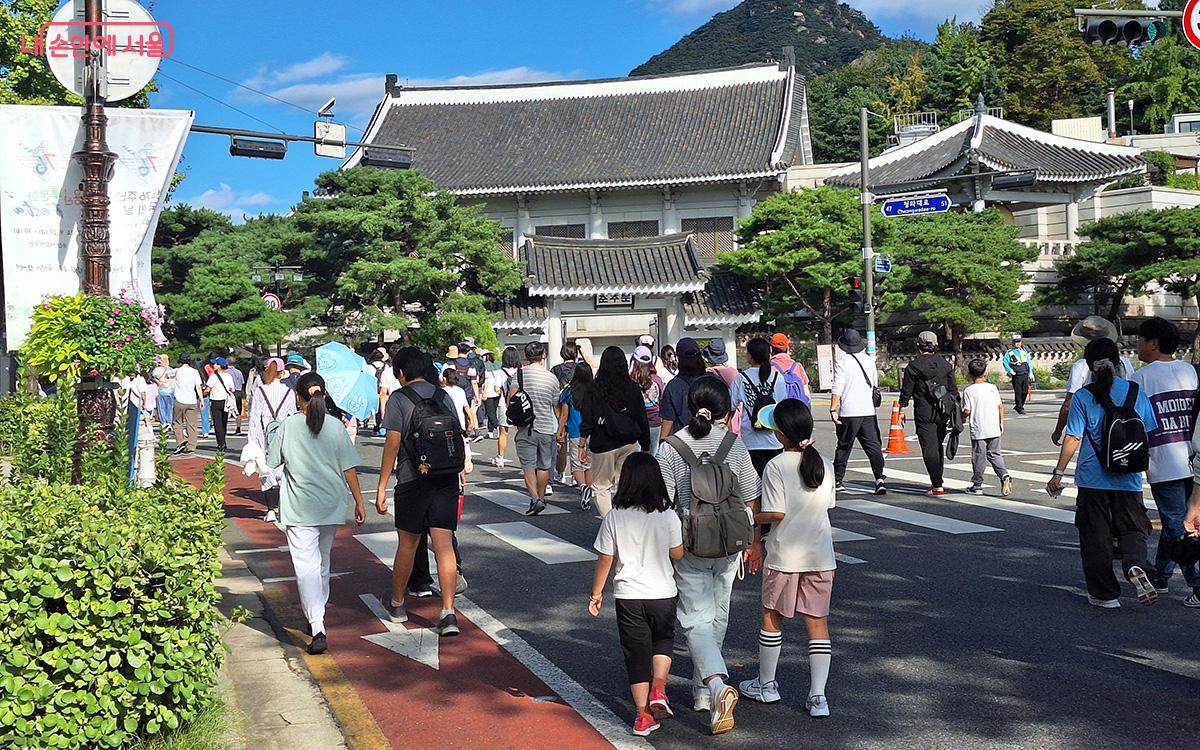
(916,206)
(883,264)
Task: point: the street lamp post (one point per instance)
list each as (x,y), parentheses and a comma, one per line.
(867,200)
(96,160)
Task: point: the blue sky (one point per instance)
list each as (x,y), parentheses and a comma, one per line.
(305,52)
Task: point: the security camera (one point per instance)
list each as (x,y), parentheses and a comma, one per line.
(326,109)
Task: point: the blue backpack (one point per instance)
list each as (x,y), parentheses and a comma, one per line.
(796,387)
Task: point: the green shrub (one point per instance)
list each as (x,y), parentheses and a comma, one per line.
(1183,181)
(38,435)
(1061,371)
(1162,166)
(108,626)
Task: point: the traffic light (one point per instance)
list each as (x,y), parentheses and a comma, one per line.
(856,294)
(1133,32)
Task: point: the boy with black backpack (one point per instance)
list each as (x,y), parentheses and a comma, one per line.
(1108,425)
(425,449)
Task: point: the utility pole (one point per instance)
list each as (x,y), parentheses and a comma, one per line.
(277,271)
(868,251)
(96,160)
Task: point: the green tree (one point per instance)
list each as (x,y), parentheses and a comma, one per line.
(26,78)
(959,69)
(1045,68)
(797,248)
(962,270)
(1164,82)
(387,246)
(1129,254)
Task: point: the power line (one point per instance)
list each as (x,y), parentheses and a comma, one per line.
(253,90)
(219,101)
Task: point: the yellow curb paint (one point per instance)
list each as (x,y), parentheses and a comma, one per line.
(354,718)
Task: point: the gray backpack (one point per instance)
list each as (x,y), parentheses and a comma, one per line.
(718,525)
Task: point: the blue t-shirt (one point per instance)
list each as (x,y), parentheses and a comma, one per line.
(1085,420)
(574,417)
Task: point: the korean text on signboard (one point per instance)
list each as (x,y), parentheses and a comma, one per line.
(75,39)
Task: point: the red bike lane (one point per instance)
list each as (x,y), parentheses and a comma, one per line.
(480,696)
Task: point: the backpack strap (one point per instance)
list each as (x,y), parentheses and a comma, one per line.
(1131,396)
(726,446)
(686,453)
(262,389)
(864,370)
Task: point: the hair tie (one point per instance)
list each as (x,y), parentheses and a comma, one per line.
(805,444)
(704,413)
(313,390)
(1104,364)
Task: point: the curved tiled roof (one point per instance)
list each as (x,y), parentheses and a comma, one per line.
(726,300)
(580,268)
(739,123)
(1000,146)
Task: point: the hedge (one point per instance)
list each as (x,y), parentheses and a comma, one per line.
(37,435)
(108,624)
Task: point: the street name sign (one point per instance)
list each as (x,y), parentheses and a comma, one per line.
(916,205)
(883,264)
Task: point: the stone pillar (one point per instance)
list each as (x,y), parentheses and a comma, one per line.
(729,336)
(745,201)
(672,322)
(1073,218)
(524,224)
(670,217)
(596,228)
(554,333)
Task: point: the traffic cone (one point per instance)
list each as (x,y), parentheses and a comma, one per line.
(1029,395)
(896,442)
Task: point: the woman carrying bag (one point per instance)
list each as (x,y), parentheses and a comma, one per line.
(319,464)
(613,424)
(270,402)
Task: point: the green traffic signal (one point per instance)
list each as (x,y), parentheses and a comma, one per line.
(1127,31)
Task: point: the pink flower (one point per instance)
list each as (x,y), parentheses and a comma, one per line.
(123,291)
(116,311)
(129,338)
(112,320)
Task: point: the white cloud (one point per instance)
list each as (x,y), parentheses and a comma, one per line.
(892,12)
(358,93)
(323,64)
(230,202)
(693,7)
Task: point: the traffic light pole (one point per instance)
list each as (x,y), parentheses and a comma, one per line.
(868,251)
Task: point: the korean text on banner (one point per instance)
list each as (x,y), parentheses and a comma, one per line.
(40,203)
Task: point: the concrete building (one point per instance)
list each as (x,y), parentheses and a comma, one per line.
(593,180)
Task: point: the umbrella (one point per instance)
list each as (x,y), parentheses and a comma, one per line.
(349,380)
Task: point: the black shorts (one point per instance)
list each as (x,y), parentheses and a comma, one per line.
(427,504)
(646,628)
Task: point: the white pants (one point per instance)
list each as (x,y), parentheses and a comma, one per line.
(310,547)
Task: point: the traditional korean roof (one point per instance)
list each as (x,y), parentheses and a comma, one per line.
(522,312)
(740,123)
(727,300)
(557,267)
(1001,146)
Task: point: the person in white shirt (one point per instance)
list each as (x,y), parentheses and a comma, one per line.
(797,494)
(643,536)
(984,411)
(221,392)
(189,392)
(1086,331)
(852,408)
(467,414)
(1171,386)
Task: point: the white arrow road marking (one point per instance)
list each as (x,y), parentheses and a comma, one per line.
(418,644)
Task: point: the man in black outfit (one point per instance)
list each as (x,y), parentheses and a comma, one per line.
(921,377)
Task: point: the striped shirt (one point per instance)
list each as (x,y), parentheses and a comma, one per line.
(677,475)
(543,390)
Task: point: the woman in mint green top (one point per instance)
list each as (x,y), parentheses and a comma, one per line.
(319,477)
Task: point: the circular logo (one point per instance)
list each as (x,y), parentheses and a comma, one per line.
(1191,22)
(272,301)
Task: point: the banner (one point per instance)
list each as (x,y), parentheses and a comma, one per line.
(40,209)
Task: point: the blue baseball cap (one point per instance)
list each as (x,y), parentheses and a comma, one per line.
(295,359)
(220,362)
(766,417)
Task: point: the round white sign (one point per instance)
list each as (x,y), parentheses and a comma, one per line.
(130,45)
(1191,22)
(272,301)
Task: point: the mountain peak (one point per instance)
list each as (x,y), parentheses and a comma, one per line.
(825,33)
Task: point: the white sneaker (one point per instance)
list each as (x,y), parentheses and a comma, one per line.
(720,720)
(1104,603)
(270,517)
(818,707)
(1192,600)
(756,691)
(702,700)
(549,489)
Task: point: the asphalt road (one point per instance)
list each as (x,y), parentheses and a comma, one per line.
(968,627)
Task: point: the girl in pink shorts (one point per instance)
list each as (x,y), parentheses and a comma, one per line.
(797,556)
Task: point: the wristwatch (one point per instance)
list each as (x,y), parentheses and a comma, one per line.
(1060,472)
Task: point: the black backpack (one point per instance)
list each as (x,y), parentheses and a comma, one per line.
(947,407)
(758,396)
(435,436)
(520,406)
(1124,447)
(620,425)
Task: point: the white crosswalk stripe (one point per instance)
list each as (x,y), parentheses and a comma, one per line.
(913,517)
(537,543)
(517,502)
(841,535)
(915,477)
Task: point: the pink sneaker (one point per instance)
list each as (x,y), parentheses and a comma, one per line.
(644,725)
(659,707)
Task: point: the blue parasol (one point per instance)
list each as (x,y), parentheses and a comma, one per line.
(350,381)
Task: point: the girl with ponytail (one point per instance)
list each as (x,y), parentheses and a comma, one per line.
(319,477)
(797,493)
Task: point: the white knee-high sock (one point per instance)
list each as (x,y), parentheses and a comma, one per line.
(769,646)
(820,654)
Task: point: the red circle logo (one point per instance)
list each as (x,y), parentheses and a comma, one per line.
(1191,22)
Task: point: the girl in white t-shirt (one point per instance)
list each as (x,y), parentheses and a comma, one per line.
(797,493)
(643,535)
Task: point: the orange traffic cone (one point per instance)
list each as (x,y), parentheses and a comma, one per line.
(1029,394)
(896,443)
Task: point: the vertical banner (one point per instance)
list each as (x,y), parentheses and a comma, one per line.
(825,367)
(40,208)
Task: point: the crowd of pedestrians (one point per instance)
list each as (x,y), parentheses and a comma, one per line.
(700,471)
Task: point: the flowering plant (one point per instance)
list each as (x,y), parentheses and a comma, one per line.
(98,337)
